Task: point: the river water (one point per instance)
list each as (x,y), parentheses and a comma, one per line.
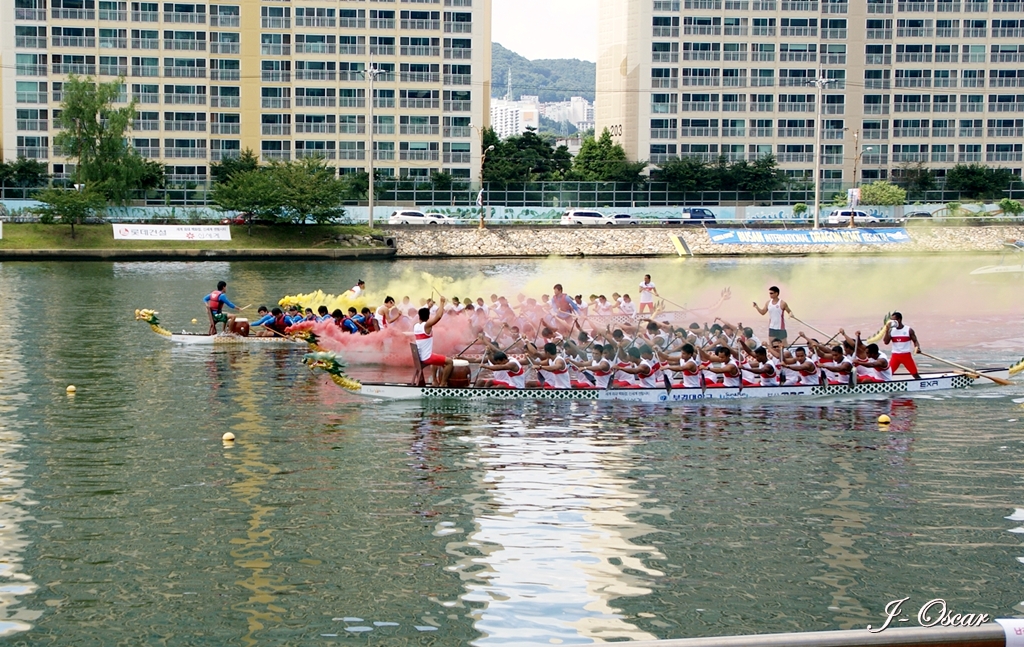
(124,520)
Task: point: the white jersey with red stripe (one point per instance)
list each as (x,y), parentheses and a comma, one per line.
(691,379)
(901,341)
(516,377)
(623,376)
(773,379)
(424,341)
(812,377)
(649,381)
(886,375)
(601,377)
(558,378)
(729,380)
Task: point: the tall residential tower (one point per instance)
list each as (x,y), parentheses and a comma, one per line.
(287,79)
(937,82)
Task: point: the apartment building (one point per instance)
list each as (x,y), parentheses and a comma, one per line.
(935,82)
(287,79)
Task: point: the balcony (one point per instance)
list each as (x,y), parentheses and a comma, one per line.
(763,5)
(73,14)
(799,5)
(111,14)
(218,155)
(913,83)
(831,133)
(735,30)
(913,107)
(946,57)
(225,48)
(737,82)
(457,131)
(275,76)
(352,102)
(1007,33)
(688,81)
(221,20)
(32,124)
(796,133)
(702,4)
(737,5)
(315,21)
(321,128)
(664,108)
(948,7)
(1007,57)
(270,156)
(30,70)
(225,75)
(351,49)
(145,97)
(145,16)
(275,102)
(875,133)
(29,14)
(909,132)
(184,153)
(148,152)
(661,158)
(734,106)
(877,84)
(113,70)
(384,129)
(459,157)
(916,7)
(761,132)
(880,7)
(766,106)
(356,154)
(185,72)
(1006,107)
(943,133)
(734,132)
(382,50)
(835,7)
(970,132)
(323,153)
(185,126)
(458,106)
(381,155)
(384,102)
(145,43)
(699,106)
(315,75)
(422,25)
(30,42)
(185,45)
(33,152)
(275,49)
(1005,83)
(874,159)
(225,102)
(73,41)
(425,50)
(419,156)
(939,156)
(762,31)
(382,23)
(1006,132)
(943,82)
(665,57)
(701,56)
(734,56)
(664,133)
(457,53)
(913,57)
(798,56)
(419,129)
(698,132)
(975,32)
(798,31)
(73,68)
(762,56)
(947,32)
(458,27)
(790,158)
(969,157)
(276,129)
(914,32)
(146,124)
(698,30)
(832,160)
(796,107)
(192,18)
(972,83)
(834,59)
(1004,156)
(185,99)
(834,34)
(352,23)
(1006,7)
(315,102)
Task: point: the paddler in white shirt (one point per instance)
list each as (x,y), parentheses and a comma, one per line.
(356,290)
(508,372)
(647,294)
(904,345)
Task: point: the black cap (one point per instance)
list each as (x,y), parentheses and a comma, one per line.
(360,282)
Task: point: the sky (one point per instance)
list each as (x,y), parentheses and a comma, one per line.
(546,28)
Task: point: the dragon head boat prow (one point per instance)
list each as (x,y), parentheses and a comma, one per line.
(335,368)
(149,316)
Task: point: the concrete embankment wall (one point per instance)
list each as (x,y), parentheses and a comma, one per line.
(655,241)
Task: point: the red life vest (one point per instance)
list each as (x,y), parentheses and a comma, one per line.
(279,324)
(215,302)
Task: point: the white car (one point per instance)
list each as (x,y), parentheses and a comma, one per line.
(583,217)
(622,219)
(842,217)
(409,217)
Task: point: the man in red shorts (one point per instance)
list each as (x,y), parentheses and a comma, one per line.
(423,331)
(904,345)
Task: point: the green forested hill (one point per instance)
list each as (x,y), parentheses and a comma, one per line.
(552,79)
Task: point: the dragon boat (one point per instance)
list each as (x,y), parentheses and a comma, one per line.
(928,382)
(203,339)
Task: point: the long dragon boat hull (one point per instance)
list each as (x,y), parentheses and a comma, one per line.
(232,340)
(927,383)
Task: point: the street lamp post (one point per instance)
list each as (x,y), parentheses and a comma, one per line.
(483,159)
(371,74)
(820,83)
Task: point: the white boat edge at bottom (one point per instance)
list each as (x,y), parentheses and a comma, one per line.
(929,382)
(199,339)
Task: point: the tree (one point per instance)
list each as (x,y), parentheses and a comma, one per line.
(68,206)
(22,173)
(688,174)
(223,170)
(978,181)
(441,181)
(1011,207)
(882,193)
(602,160)
(310,190)
(762,176)
(255,192)
(915,178)
(94,134)
(522,159)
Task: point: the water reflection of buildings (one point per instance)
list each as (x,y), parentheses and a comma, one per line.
(15,584)
(553,544)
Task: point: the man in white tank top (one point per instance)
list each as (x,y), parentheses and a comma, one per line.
(508,372)
(776,310)
(423,332)
(904,345)
(876,366)
(647,294)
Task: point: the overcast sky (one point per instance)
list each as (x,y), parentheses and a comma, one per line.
(547,28)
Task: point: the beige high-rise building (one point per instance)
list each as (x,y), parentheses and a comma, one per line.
(935,82)
(285,79)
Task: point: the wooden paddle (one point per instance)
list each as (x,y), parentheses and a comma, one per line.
(817,330)
(970,371)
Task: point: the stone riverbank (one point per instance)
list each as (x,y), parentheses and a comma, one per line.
(657,241)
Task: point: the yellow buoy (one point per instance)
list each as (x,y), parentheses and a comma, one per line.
(228,437)
(71,389)
(195,321)
(884,419)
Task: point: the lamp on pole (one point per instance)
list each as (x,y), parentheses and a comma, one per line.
(820,83)
(371,74)
(480,198)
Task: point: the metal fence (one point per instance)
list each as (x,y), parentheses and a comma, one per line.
(544,194)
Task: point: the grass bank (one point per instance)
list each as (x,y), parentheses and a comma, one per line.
(87,237)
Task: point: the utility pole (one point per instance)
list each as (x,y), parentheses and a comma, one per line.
(371,74)
(820,83)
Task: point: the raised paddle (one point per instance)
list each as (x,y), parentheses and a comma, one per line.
(817,330)
(970,371)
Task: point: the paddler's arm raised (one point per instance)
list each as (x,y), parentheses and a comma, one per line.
(430,323)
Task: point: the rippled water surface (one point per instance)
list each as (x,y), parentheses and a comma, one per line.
(124,520)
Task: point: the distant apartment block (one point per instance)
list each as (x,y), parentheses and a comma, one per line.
(510,118)
(285,79)
(577,111)
(936,82)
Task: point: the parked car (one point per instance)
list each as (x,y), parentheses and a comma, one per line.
(622,219)
(410,217)
(692,215)
(583,217)
(842,217)
(917,214)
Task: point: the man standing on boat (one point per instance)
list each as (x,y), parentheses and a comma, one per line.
(423,331)
(356,290)
(904,345)
(776,310)
(215,302)
(647,294)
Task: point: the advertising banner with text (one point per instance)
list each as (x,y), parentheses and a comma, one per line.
(195,233)
(809,236)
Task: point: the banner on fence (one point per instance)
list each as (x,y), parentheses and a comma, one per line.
(809,236)
(194,233)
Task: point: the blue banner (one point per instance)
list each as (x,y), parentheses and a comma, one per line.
(809,236)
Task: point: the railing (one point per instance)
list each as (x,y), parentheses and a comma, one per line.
(1005,83)
(419,129)
(697,30)
(185,126)
(457,79)
(664,133)
(29,14)
(32,124)
(948,7)
(734,132)
(321,127)
(801,133)
(382,23)
(185,17)
(225,75)
(687,81)
(738,82)
(315,21)
(1006,132)
(73,41)
(149,152)
(218,155)
(347,48)
(458,27)
(875,133)
(351,102)
(185,99)
(422,50)
(835,7)
(970,132)
(315,75)
(32,42)
(225,129)
(112,14)
(73,14)
(220,20)
(698,132)
(458,131)
(698,106)
(275,102)
(880,7)
(352,23)
(30,70)
(269,156)
(275,76)
(834,34)
(185,45)
(762,31)
(145,16)
(315,48)
(113,70)
(458,106)
(144,97)
(33,152)
(457,53)
(185,72)
(325,153)
(184,153)
(419,156)
(430,25)
(382,155)
(225,48)
(1004,156)
(356,154)
(382,50)
(145,43)
(273,49)
(314,102)
(73,68)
